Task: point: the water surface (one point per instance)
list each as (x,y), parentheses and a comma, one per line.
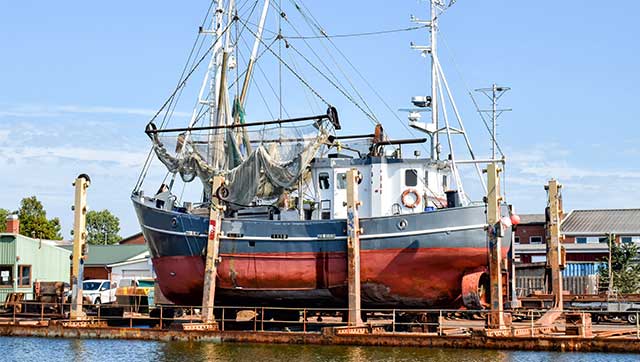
(101,350)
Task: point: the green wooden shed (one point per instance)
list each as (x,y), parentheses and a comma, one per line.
(24,260)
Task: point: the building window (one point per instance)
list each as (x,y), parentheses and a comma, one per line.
(535,240)
(6,276)
(538,258)
(24,275)
(516,240)
(323,180)
(590,240)
(411,177)
(630,239)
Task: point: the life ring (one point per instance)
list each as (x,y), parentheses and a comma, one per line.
(410,204)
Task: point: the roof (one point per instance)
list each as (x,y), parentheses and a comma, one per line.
(53,243)
(602,222)
(111,254)
(144,258)
(531,219)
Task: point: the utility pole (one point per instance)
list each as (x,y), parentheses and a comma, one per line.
(81,184)
(494,94)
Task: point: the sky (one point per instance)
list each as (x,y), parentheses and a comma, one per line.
(80,80)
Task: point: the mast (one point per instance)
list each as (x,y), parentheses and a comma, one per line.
(437,103)
(254,53)
(435,144)
(218,86)
(248,74)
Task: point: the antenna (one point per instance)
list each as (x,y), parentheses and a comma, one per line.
(494,94)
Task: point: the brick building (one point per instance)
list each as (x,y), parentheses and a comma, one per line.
(585,235)
(135,239)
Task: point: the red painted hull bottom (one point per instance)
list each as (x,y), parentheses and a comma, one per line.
(419,278)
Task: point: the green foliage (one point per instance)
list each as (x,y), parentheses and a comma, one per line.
(3,218)
(102,227)
(625,267)
(34,222)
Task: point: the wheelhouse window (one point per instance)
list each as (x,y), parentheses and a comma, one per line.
(6,276)
(516,240)
(445,182)
(323,180)
(535,239)
(411,177)
(426,179)
(341,180)
(24,275)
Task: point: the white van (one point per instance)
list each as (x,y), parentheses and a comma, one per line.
(100,291)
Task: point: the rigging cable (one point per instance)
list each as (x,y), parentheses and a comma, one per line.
(273,90)
(353,35)
(302,80)
(384,102)
(311,24)
(178,90)
(344,93)
(475,103)
(147,162)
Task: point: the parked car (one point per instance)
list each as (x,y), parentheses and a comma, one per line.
(99,291)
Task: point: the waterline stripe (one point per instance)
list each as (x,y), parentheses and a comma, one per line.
(310,238)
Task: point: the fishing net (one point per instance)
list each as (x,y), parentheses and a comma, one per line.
(256,163)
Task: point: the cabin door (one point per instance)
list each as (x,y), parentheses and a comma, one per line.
(339,193)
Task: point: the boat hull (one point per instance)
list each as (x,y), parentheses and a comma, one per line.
(414,261)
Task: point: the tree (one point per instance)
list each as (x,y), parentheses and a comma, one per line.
(3,219)
(102,227)
(34,222)
(625,267)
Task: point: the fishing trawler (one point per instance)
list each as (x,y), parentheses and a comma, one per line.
(283,233)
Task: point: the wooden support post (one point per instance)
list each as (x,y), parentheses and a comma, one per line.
(81,184)
(555,262)
(353,248)
(213,248)
(496,317)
